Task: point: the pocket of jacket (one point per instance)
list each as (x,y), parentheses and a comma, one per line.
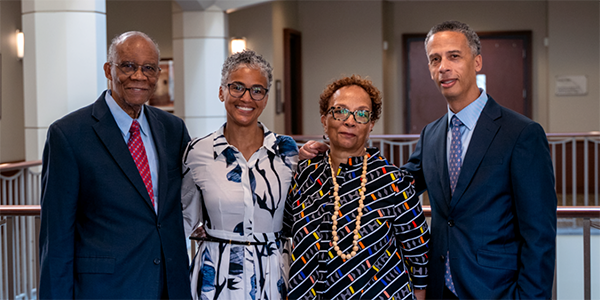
(497,260)
(104,265)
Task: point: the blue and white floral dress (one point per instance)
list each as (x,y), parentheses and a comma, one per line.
(242,201)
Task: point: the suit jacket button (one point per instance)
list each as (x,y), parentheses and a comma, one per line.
(442,258)
(156,261)
(451,223)
(158,226)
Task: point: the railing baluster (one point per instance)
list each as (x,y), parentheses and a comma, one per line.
(574,170)
(585,172)
(564,173)
(587,288)
(10,258)
(3,276)
(596,175)
(553,152)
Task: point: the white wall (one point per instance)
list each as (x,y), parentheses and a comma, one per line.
(12,122)
(574,30)
(255,23)
(393,108)
(338,39)
(262,25)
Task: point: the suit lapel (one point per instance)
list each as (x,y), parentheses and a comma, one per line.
(160,141)
(438,133)
(484,134)
(110,135)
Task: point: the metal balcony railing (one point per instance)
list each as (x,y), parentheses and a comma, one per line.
(14,287)
(575,157)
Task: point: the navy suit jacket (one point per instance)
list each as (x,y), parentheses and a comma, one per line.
(500,225)
(100,237)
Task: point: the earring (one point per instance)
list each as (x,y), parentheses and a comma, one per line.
(325,137)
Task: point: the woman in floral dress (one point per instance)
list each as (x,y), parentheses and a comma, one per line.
(235,183)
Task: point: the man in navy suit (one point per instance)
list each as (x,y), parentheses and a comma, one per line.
(111,223)
(490,182)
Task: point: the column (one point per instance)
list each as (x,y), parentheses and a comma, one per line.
(199,50)
(65,48)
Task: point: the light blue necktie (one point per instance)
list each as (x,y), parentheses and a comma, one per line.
(455,152)
(455,164)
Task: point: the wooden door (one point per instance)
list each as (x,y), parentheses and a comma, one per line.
(506,70)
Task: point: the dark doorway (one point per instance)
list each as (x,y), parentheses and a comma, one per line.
(506,72)
(292,51)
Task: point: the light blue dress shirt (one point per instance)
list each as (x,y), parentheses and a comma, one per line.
(468,116)
(124,122)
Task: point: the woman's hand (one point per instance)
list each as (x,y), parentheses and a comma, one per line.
(311,149)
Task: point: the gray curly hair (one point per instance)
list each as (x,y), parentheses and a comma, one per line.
(119,39)
(456,26)
(246,58)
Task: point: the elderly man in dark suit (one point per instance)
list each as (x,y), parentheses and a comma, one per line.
(490,181)
(111,214)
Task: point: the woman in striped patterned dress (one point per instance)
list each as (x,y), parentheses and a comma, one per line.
(358,229)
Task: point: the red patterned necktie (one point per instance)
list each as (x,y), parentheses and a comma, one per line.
(138,152)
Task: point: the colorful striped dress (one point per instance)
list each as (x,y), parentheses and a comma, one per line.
(393,237)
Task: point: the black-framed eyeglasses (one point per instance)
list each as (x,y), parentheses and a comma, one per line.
(238,90)
(362,116)
(129,68)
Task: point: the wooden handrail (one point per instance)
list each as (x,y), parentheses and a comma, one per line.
(20,165)
(19,210)
(562,211)
(416,136)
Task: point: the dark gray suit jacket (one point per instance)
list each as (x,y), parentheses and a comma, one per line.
(100,237)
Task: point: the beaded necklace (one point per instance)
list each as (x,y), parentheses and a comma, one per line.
(336,208)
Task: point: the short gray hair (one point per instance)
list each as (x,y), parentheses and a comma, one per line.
(119,39)
(246,58)
(472,37)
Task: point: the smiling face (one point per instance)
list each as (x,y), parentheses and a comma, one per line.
(453,68)
(348,136)
(132,91)
(243,111)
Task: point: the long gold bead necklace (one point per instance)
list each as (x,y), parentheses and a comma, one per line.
(336,208)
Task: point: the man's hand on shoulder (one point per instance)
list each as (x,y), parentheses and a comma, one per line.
(420,294)
(311,149)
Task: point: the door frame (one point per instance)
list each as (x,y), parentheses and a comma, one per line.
(292,109)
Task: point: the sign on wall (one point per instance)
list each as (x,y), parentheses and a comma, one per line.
(571,85)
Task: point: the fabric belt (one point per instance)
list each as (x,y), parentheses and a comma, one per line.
(233,242)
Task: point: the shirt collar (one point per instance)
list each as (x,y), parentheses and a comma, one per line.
(123,119)
(470,114)
(220,143)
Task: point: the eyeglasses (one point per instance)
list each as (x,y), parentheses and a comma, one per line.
(129,68)
(238,90)
(362,116)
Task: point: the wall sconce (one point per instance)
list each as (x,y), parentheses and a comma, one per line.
(238,45)
(20,44)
